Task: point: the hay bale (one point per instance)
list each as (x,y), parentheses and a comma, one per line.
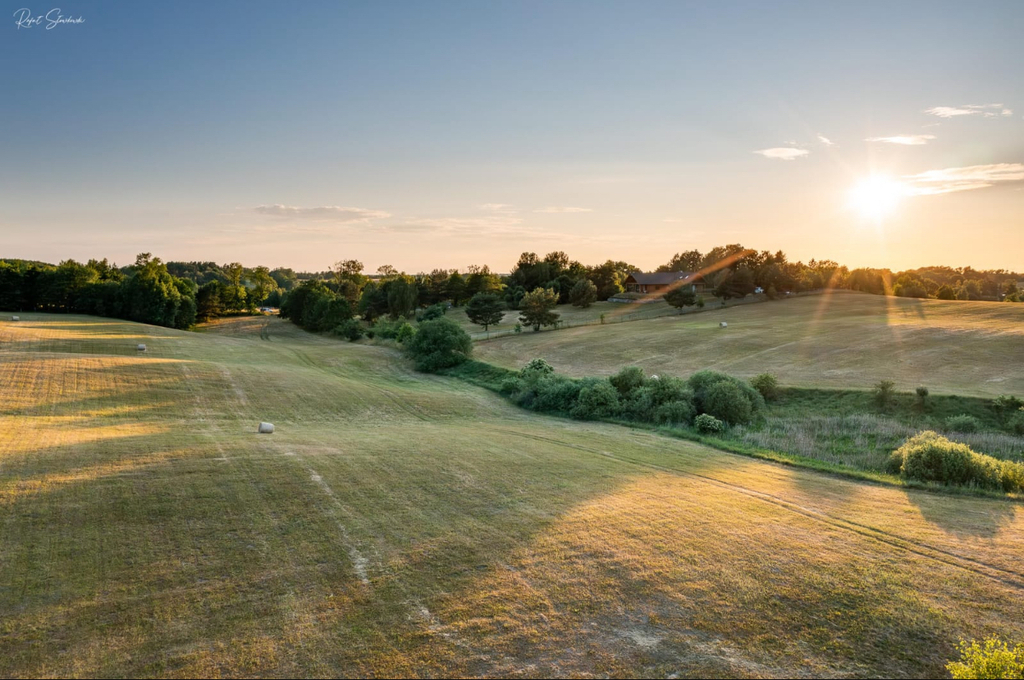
(266,428)
(140,347)
(722,324)
(15,318)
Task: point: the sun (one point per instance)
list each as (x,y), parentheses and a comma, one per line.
(876,197)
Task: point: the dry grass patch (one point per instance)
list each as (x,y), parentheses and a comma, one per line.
(837,341)
(398,524)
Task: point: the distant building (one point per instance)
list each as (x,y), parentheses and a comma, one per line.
(661,282)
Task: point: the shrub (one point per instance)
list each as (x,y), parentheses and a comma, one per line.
(894,465)
(963,423)
(767,384)
(404,332)
(922,397)
(726,401)
(536,368)
(557,393)
(991,659)
(389,329)
(1005,406)
(1017,424)
(639,405)
(350,329)
(596,400)
(737,403)
(668,389)
(930,457)
(885,393)
(439,343)
(674,413)
(708,424)
(432,312)
(628,379)
(511,385)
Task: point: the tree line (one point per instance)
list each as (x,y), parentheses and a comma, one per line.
(145,291)
(180,293)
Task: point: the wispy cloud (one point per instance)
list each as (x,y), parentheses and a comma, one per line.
(986,110)
(783,153)
(325,213)
(563,209)
(906,140)
(497,207)
(963,179)
(825,140)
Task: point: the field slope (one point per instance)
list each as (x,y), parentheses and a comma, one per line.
(398,524)
(839,340)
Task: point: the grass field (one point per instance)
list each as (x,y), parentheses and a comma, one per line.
(614,312)
(837,341)
(401,524)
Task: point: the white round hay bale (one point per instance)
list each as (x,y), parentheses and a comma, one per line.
(141,347)
(266,428)
(722,324)
(15,318)
(655,377)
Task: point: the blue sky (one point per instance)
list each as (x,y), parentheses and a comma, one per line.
(442,134)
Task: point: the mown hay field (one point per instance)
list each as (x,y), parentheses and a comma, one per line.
(839,340)
(401,524)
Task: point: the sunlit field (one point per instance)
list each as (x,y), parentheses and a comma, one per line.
(402,524)
(843,340)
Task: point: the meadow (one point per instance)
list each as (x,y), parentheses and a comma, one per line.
(404,524)
(837,340)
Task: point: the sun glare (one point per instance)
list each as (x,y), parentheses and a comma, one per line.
(876,197)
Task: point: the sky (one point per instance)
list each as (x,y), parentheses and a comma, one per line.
(443,134)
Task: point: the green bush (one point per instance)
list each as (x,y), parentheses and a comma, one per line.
(727,402)
(596,400)
(885,393)
(350,329)
(405,331)
(930,457)
(708,424)
(511,385)
(666,389)
(628,379)
(991,659)
(1017,424)
(1006,405)
(674,413)
(439,343)
(556,393)
(536,368)
(388,329)
(432,312)
(725,397)
(894,465)
(963,423)
(767,384)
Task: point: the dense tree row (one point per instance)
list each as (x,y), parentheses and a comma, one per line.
(177,293)
(145,291)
